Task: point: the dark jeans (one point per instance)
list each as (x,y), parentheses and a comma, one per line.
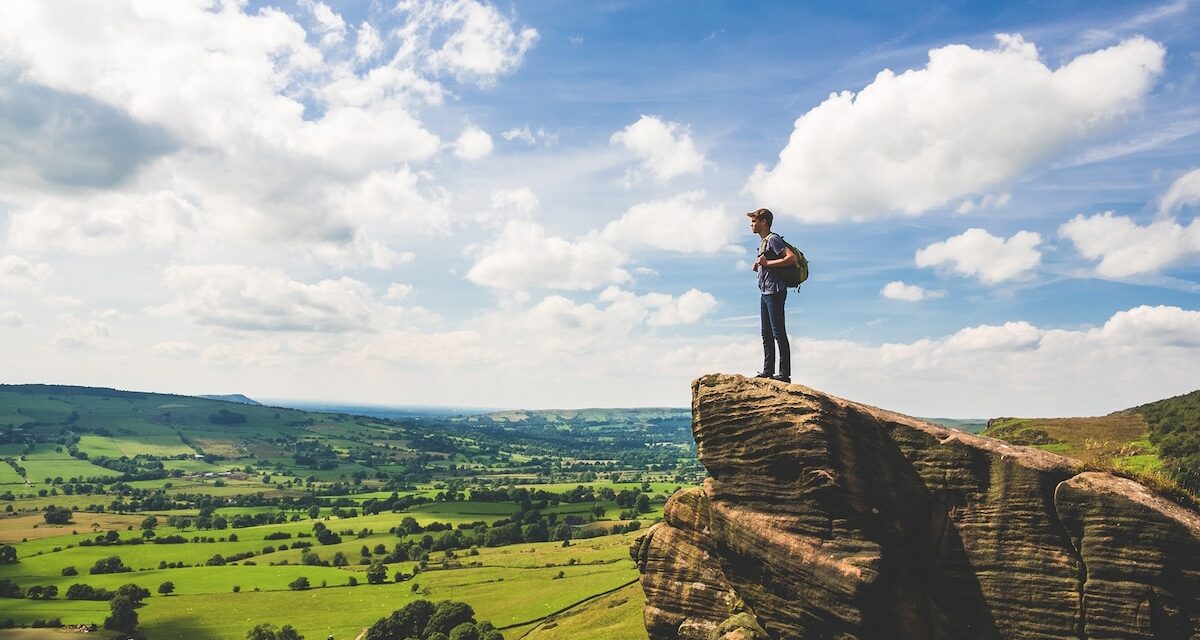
(774,331)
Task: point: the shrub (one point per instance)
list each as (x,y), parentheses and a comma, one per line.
(299,584)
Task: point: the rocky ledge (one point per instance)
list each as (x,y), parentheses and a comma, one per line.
(825,518)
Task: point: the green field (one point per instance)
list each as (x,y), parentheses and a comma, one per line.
(165,446)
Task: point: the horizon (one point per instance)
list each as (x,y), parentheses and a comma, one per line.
(460,203)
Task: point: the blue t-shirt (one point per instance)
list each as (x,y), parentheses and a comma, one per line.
(770,280)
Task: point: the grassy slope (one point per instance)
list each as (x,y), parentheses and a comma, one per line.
(1121,438)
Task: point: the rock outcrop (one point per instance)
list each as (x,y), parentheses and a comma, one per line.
(824,518)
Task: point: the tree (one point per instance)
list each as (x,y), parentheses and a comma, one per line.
(643,503)
(166,588)
(340,560)
(8,554)
(135,593)
(299,584)
(448,615)
(149,522)
(267,631)
(57,515)
(123,617)
(376,573)
(465,631)
(111,564)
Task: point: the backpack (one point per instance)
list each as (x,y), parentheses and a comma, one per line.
(793,275)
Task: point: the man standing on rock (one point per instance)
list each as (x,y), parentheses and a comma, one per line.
(773,253)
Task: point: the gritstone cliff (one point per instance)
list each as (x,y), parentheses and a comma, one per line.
(824,518)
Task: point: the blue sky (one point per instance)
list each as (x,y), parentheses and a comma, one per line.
(540,204)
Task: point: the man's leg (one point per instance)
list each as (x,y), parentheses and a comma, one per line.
(779,331)
(768,336)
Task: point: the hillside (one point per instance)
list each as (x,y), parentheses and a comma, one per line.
(1160,438)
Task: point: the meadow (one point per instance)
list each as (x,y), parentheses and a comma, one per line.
(475,510)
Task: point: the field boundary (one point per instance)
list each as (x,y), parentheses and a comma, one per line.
(542,619)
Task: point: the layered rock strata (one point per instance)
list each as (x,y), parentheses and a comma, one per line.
(825,518)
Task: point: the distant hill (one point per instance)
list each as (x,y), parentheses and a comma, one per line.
(1161,438)
(232,397)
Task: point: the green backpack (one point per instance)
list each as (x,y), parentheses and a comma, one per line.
(794,275)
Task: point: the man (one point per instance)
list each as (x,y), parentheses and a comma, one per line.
(773,253)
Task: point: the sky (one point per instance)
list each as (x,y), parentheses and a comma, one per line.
(542,204)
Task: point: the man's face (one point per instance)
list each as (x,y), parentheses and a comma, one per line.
(758,225)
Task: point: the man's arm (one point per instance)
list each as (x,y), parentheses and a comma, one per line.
(787,260)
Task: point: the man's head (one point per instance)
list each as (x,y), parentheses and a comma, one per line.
(760,219)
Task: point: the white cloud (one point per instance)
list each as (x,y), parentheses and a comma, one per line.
(19,274)
(510,204)
(398,291)
(1125,248)
(969,121)
(330,25)
(469,39)
(473,144)
(1007,337)
(255,299)
(103,224)
(660,309)
(1184,191)
(524,256)
(520,133)
(367,44)
(176,349)
(77,333)
(11,319)
(681,224)
(267,133)
(531,137)
(979,254)
(988,201)
(898,290)
(665,149)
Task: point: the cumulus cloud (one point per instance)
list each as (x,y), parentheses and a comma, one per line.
(898,290)
(11,319)
(1006,337)
(255,299)
(664,149)
(1184,191)
(468,39)
(1126,248)
(104,223)
(682,224)
(19,274)
(257,129)
(969,121)
(979,254)
(660,309)
(524,256)
(473,144)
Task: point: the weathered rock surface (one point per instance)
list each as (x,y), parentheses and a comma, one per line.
(824,518)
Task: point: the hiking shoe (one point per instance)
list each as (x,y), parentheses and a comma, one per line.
(782,378)
(764,374)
